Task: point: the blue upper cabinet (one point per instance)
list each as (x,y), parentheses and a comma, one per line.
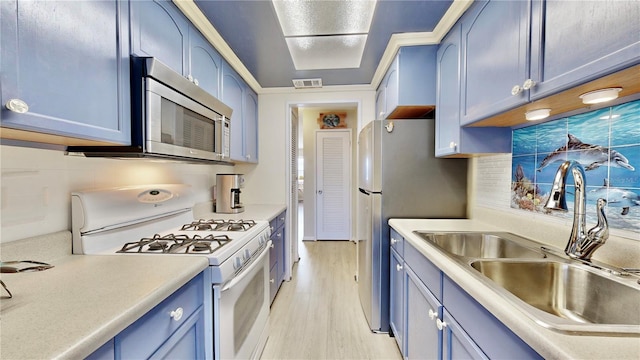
(206,63)
(451,139)
(448,97)
(575,42)
(408,89)
(232,96)
(250,114)
(244,120)
(514,52)
(495,67)
(160,30)
(74,81)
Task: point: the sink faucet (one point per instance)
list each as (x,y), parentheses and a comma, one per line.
(582,243)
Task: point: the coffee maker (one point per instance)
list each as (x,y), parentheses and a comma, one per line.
(228,193)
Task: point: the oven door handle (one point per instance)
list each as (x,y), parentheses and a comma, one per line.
(248,270)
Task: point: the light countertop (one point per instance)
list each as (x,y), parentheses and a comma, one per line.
(85,300)
(548,343)
(251,212)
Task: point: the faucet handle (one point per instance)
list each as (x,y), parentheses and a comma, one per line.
(597,235)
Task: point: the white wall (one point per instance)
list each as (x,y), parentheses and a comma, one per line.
(490,202)
(266,183)
(36,185)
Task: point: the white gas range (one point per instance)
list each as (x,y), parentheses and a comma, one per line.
(157,220)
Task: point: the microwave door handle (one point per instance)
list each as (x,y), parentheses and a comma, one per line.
(245,272)
(222,138)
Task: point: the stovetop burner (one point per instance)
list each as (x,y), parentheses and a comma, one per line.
(219,225)
(177,244)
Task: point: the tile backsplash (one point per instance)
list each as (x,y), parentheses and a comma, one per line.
(607,144)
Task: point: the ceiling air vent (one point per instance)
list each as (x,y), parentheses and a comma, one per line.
(307,83)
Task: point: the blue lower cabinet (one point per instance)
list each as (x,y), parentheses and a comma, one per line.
(423,338)
(433,318)
(396,300)
(174,329)
(457,344)
(277,255)
(495,339)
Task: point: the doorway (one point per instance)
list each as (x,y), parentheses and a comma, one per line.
(309,122)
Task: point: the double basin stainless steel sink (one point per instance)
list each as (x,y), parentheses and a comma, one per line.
(565,295)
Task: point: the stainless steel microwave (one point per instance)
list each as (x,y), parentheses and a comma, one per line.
(172,118)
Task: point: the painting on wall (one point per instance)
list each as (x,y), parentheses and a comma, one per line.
(606,142)
(332,120)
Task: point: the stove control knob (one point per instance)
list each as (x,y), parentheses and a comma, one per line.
(247,254)
(237,263)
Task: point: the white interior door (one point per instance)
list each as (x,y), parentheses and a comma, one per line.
(333,184)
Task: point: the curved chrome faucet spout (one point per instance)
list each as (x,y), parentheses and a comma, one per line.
(582,243)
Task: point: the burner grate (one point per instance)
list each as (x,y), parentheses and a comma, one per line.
(177,244)
(219,225)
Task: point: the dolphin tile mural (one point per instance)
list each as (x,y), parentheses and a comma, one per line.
(607,144)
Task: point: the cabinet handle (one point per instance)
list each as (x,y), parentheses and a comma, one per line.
(195,81)
(177,314)
(272,281)
(516,89)
(279,235)
(17,106)
(272,245)
(190,78)
(393,241)
(282,219)
(453,145)
(248,157)
(441,324)
(398,267)
(381,116)
(432,314)
(528,84)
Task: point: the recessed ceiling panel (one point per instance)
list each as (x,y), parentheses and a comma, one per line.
(327,52)
(303,18)
(252,30)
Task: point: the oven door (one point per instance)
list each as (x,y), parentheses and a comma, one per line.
(241,327)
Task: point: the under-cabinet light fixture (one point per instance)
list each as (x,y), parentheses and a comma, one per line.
(537,114)
(600,96)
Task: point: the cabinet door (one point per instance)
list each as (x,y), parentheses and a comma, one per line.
(575,42)
(158,29)
(448,94)
(232,96)
(396,300)
(392,86)
(495,42)
(187,342)
(74,80)
(250,121)
(205,63)
(423,339)
(456,343)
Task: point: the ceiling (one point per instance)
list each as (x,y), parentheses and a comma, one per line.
(252,32)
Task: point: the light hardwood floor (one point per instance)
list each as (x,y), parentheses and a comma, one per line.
(317,315)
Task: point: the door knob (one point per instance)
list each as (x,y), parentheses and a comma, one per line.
(319,192)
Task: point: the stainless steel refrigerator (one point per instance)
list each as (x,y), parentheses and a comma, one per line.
(399,177)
